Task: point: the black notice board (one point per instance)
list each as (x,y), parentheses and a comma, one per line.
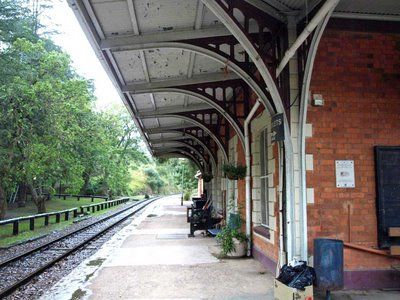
(387,161)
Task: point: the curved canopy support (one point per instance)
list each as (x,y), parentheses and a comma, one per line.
(167,130)
(303,118)
(199,124)
(234,27)
(258,90)
(176,152)
(236,126)
(190,147)
(194,138)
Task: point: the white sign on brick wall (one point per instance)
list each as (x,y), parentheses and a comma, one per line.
(345,174)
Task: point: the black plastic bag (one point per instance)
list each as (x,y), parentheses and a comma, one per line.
(297,277)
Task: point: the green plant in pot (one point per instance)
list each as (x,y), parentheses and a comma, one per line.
(234,172)
(231,239)
(207,177)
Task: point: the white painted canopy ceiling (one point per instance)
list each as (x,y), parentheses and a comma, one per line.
(134,41)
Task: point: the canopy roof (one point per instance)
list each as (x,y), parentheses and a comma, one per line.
(139,44)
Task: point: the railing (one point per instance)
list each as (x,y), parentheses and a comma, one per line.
(92,197)
(74,211)
(102,205)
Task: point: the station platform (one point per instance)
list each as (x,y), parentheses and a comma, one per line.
(154,258)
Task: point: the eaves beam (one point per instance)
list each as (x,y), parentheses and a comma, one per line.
(174,109)
(154,130)
(141,87)
(165,36)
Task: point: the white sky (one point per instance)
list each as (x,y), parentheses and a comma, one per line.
(72,39)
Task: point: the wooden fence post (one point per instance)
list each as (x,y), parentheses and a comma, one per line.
(15,228)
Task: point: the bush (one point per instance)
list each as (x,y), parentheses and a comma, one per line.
(186,195)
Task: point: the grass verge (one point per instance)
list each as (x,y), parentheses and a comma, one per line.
(7,239)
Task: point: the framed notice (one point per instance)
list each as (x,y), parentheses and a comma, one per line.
(277,130)
(345,174)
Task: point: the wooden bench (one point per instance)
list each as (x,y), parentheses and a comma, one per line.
(200,216)
(198,203)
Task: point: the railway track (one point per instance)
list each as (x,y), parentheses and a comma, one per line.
(24,267)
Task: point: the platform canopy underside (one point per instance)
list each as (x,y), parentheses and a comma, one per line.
(150,50)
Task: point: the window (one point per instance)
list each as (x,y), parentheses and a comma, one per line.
(264,178)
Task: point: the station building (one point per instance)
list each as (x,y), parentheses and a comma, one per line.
(304,93)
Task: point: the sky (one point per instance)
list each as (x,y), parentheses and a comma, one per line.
(70,36)
(73,40)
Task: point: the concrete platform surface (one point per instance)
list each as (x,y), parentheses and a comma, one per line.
(158,260)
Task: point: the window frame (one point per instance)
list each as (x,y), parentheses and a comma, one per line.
(264,178)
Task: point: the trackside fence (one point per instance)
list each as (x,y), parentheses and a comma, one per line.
(66,214)
(78,197)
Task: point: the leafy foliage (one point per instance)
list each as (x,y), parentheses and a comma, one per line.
(49,132)
(165,176)
(234,172)
(52,138)
(226,238)
(207,177)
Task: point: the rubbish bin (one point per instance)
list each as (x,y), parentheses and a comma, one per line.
(328,264)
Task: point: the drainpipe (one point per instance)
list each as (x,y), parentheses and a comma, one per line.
(248,173)
(323,11)
(302,123)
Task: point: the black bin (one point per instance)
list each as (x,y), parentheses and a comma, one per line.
(328,263)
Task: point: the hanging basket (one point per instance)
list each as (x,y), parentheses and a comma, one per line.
(234,172)
(207,177)
(231,176)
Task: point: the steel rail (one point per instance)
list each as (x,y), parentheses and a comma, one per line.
(11,288)
(28,252)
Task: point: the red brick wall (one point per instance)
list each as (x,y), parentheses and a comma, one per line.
(358,75)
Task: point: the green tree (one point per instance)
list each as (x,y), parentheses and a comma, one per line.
(173,169)
(154,180)
(49,131)
(42,102)
(109,151)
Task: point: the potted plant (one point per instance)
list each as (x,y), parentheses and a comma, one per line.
(233,242)
(207,177)
(234,172)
